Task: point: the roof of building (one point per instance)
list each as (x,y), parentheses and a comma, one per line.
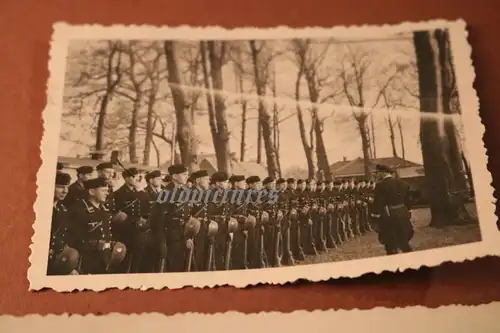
(356,167)
(75,162)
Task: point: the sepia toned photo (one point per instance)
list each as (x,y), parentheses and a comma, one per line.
(203,156)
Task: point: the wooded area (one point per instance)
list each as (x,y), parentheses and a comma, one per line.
(142,93)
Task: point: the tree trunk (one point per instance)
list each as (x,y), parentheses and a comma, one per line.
(321,156)
(132,130)
(243,101)
(111,83)
(222,148)
(264,117)
(449,86)
(308,148)
(259,141)
(401,138)
(276,126)
(186,137)
(157,151)
(365,144)
(209,93)
(148,140)
(392,136)
(372,141)
(438,173)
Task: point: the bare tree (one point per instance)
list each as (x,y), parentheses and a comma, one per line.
(390,126)
(91,83)
(262,56)
(212,69)
(356,73)
(240,74)
(276,120)
(186,137)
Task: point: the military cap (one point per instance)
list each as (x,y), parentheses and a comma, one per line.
(176,169)
(84,169)
(383,168)
(95,183)
(236,178)
(63,178)
(198,174)
(337,182)
(280,181)
(153,174)
(307,181)
(253,179)
(59,166)
(267,180)
(118,253)
(105,165)
(300,181)
(190,179)
(356,182)
(290,180)
(220,176)
(319,182)
(67,260)
(130,172)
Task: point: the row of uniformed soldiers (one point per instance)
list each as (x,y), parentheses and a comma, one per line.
(97,230)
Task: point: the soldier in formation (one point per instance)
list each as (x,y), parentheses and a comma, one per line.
(221,223)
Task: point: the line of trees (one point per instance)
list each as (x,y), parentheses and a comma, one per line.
(150,91)
(144,93)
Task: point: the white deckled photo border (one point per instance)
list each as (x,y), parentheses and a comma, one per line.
(473,128)
(416,319)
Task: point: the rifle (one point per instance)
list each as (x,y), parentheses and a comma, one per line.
(277,240)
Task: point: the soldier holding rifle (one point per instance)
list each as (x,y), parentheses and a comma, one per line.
(272,236)
(284,208)
(219,210)
(257,251)
(392,209)
(171,224)
(246,222)
(204,243)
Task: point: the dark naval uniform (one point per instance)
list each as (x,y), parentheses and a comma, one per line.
(391,206)
(63,259)
(91,234)
(168,219)
(77,190)
(135,231)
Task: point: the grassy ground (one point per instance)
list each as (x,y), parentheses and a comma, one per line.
(425,238)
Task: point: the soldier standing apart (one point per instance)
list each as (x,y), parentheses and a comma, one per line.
(168,218)
(63,260)
(76,190)
(392,208)
(91,230)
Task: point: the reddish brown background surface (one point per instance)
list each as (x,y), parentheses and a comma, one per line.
(25,30)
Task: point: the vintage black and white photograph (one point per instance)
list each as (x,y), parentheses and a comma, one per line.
(258,155)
